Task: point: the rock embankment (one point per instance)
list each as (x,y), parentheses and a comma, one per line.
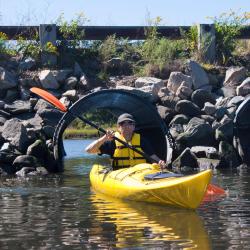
(198,106)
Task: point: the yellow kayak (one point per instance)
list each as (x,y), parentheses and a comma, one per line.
(130,183)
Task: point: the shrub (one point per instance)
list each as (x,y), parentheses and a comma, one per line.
(160,51)
(4,48)
(31,47)
(227,27)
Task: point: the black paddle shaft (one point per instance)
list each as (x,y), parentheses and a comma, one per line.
(117,139)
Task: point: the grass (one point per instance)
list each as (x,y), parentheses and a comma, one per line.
(73,133)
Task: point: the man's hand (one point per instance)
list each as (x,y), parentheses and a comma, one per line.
(109,135)
(162,164)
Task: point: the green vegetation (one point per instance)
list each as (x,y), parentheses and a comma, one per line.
(4,48)
(227,27)
(101,117)
(151,56)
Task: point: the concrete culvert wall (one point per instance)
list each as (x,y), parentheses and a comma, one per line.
(242,130)
(148,121)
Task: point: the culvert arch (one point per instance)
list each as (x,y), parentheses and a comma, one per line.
(148,121)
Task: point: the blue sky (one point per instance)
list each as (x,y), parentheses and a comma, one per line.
(115,12)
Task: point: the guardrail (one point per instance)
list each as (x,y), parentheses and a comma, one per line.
(51,33)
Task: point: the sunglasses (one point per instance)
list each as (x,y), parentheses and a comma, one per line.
(130,123)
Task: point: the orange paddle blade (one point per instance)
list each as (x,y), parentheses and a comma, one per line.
(215,190)
(49,97)
(213,193)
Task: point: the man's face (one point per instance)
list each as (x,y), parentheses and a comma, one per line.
(126,128)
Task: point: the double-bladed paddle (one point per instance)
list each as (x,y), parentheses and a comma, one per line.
(53,100)
(212,189)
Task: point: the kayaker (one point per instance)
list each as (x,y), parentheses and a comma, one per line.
(121,155)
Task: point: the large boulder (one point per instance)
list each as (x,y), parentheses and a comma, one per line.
(199,76)
(200,96)
(187,108)
(149,84)
(48,79)
(15,132)
(234,75)
(197,133)
(186,159)
(244,88)
(7,79)
(176,79)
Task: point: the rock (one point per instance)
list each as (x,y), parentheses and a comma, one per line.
(70,83)
(199,76)
(208,152)
(48,79)
(2,120)
(146,95)
(25,161)
(37,149)
(15,132)
(179,119)
(244,88)
(41,171)
(234,75)
(225,132)
(227,91)
(117,66)
(18,107)
(24,93)
(5,114)
(235,101)
(169,101)
(176,130)
(50,116)
(61,75)
(197,133)
(207,118)
(163,111)
(65,101)
(35,123)
(209,108)
(206,163)
(220,112)
(201,96)
(7,79)
(229,157)
(149,84)
(84,83)
(6,156)
(28,63)
(25,171)
(126,81)
(71,95)
(176,79)
(11,95)
(184,92)
(42,104)
(49,130)
(187,158)
(187,108)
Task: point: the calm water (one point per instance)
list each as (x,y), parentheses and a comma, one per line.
(61,212)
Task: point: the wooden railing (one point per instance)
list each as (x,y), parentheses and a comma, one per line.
(101,32)
(51,33)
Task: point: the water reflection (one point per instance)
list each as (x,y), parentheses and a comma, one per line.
(61,212)
(136,224)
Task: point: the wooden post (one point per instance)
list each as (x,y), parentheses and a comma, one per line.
(47,33)
(206,42)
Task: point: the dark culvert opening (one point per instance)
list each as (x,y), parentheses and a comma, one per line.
(148,121)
